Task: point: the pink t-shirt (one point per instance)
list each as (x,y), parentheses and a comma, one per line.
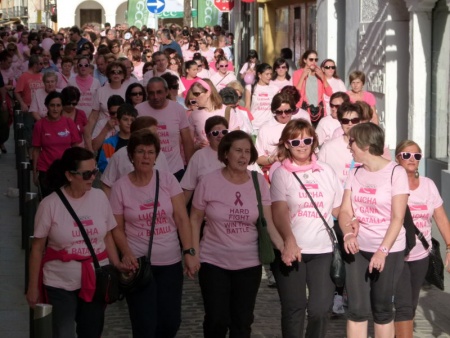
(55,222)
(220,82)
(136,206)
(337,85)
(230,237)
(281,84)
(327,128)
(152,73)
(198,118)
(369,98)
(338,157)
(119,165)
(261,100)
(138,71)
(188,54)
(201,163)
(87,94)
(270,133)
(27,84)
(205,73)
(188,83)
(38,102)
(371,196)
(307,226)
(171,120)
(422,203)
(209,54)
(53,138)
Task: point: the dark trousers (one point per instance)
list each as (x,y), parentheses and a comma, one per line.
(43,184)
(229,298)
(372,292)
(155,311)
(408,289)
(313,271)
(69,309)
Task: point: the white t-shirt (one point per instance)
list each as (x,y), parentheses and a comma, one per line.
(307,226)
(261,100)
(327,128)
(281,84)
(337,85)
(171,120)
(55,222)
(87,97)
(119,165)
(220,82)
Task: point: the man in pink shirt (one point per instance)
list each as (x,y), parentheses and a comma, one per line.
(172,124)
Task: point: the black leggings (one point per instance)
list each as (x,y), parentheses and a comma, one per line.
(372,292)
(408,289)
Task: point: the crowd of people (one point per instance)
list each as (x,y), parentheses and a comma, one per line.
(168,115)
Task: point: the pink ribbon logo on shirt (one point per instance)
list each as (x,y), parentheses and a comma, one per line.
(369,191)
(418,207)
(238,199)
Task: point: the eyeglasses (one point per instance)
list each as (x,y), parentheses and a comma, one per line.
(329,67)
(407,156)
(351,140)
(223,66)
(175,87)
(197,94)
(354,120)
(286,111)
(173,63)
(335,106)
(216,133)
(313,59)
(137,94)
(305,141)
(85,65)
(282,67)
(116,72)
(86,175)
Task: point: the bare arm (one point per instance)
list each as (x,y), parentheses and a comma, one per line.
(273,233)
(100,138)
(188,143)
(248,99)
(120,239)
(106,189)
(280,214)
(443,225)
(36,151)
(187,195)
(196,219)
(89,128)
(23,106)
(37,250)
(345,218)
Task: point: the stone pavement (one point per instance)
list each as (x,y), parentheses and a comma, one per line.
(432,319)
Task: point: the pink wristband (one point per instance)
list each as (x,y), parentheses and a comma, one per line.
(384,250)
(348,234)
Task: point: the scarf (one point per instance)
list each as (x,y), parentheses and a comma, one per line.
(84,84)
(294,168)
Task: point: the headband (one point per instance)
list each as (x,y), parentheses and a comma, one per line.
(204,84)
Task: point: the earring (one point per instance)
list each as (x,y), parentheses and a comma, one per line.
(416,174)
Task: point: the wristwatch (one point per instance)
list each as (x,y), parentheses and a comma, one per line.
(190,251)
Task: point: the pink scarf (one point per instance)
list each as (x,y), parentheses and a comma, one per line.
(294,168)
(84,84)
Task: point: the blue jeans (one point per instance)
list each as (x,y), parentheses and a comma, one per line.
(155,311)
(69,309)
(229,298)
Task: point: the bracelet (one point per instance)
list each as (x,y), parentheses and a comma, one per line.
(353,219)
(384,250)
(348,234)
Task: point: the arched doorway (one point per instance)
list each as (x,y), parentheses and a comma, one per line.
(121,13)
(90,12)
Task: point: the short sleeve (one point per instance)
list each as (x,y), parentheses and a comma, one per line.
(34,104)
(278,186)
(116,198)
(338,189)
(96,101)
(76,138)
(199,199)
(434,194)
(172,183)
(36,140)
(43,219)
(400,183)
(184,122)
(348,182)
(189,180)
(265,192)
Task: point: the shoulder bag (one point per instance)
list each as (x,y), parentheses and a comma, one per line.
(265,247)
(337,268)
(106,278)
(143,276)
(435,272)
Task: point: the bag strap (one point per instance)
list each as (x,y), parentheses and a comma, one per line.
(327,227)
(227,113)
(258,193)
(80,225)
(155,207)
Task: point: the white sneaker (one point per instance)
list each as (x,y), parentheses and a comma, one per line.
(338,304)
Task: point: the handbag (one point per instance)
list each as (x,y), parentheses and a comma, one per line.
(106,279)
(435,272)
(265,247)
(143,276)
(337,267)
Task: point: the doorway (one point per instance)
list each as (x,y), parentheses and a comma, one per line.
(90,16)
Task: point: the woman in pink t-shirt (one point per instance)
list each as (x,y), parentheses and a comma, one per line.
(155,309)
(328,67)
(375,195)
(66,267)
(305,259)
(223,75)
(280,76)
(52,135)
(190,77)
(70,96)
(230,272)
(357,80)
(425,204)
(37,108)
(205,50)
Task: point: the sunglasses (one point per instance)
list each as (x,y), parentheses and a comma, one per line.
(407,156)
(351,140)
(335,106)
(313,59)
(223,66)
(175,87)
(86,175)
(85,65)
(216,133)
(116,72)
(282,67)
(329,67)
(297,142)
(354,120)
(173,63)
(193,102)
(281,112)
(137,94)
(197,94)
